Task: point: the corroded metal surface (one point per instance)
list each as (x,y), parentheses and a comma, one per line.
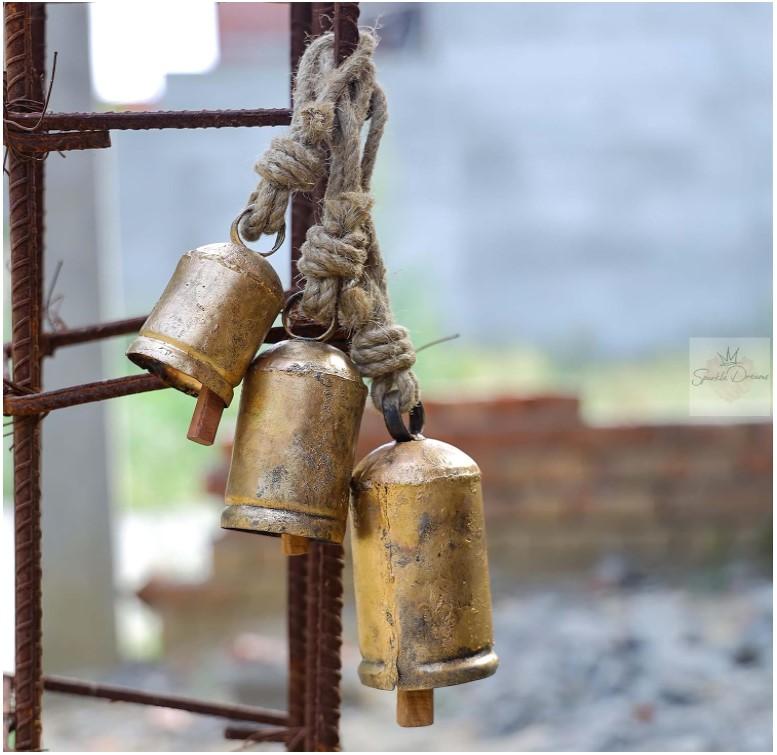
(115,693)
(297,570)
(324,630)
(140,121)
(42,403)
(420,568)
(210,320)
(346,29)
(300,412)
(50,342)
(36,143)
(24,48)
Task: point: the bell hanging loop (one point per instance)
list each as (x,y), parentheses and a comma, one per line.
(285,316)
(237,240)
(392,416)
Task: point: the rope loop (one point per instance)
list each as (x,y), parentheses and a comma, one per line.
(345,279)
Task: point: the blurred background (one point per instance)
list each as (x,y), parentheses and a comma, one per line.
(576,190)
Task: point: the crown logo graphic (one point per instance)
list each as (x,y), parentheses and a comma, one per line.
(730,358)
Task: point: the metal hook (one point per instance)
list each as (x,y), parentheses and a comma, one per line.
(325,336)
(392,416)
(234,235)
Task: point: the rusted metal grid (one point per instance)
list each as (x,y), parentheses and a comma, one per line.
(314,581)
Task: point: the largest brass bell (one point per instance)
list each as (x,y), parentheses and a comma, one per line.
(423,601)
(300,411)
(209,323)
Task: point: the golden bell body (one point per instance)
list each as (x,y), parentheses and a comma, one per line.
(300,411)
(423,601)
(210,320)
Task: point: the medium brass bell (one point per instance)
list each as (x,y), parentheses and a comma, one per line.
(208,324)
(300,411)
(423,601)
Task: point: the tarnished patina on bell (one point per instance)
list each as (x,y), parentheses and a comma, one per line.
(210,321)
(423,601)
(300,411)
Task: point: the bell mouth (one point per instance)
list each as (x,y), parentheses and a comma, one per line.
(170,375)
(177,368)
(272,521)
(446,673)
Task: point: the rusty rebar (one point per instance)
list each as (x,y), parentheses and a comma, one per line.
(300,22)
(159,119)
(47,401)
(50,342)
(66,685)
(74,336)
(325,605)
(24,46)
(346,29)
(37,143)
(312,648)
(321,19)
(325,560)
(297,633)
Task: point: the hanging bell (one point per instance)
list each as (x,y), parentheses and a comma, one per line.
(208,324)
(423,601)
(293,454)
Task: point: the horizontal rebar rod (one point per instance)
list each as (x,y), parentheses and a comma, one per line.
(42,142)
(88,333)
(46,401)
(72,336)
(133,121)
(52,341)
(235,712)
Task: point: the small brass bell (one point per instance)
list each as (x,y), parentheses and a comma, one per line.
(208,324)
(423,601)
(295,441)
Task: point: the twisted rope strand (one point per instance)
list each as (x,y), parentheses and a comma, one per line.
(340,258)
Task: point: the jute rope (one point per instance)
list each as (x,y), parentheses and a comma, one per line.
(340,259)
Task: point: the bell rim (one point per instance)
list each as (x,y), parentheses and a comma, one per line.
(265,520)
(446,673)
(155,355)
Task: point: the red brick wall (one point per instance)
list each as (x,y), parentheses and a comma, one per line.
(560,493)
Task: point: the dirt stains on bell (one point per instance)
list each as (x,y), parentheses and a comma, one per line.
(293,455)
(208,324)
(420,571)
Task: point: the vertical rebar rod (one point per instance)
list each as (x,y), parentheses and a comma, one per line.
(315,696)
(313,649)
(325,560)
(25,49)
(312,743)
(300,22)
(297,631)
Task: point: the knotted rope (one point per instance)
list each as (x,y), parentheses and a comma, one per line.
(340,259)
